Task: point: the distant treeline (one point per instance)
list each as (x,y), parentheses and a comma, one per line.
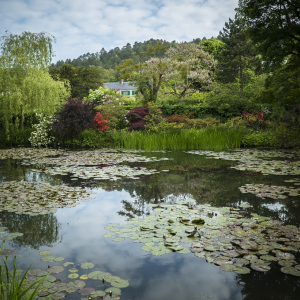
(109,60)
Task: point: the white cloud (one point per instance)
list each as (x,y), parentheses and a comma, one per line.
(88,26)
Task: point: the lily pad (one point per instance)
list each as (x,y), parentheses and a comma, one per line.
(87,265)
(291,271)
(55,269)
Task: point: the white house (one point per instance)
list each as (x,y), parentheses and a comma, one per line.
(126,88)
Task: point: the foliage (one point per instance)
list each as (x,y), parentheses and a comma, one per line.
(211,138)
(136,117)
(154,118)
(138,52)
(13,286)
(102,95)
(99,122)
(254,121)
(72,118)
(27,49)
(213,46)
(274,28)
(26,87)
(259,139)
(237,54)
(19,137)
(81,79)
(89,138)
(40,136)
(191,69)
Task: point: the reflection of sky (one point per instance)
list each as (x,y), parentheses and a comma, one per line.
(171,276)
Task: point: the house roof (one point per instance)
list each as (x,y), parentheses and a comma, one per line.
(126,85)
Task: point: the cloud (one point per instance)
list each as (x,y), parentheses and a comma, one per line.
(88,26)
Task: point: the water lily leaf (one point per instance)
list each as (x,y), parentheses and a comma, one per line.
(242,270)
(86,291)
(114,290)
(59,296)
(87,265)
(47,258)
(290,270)
(59,259)
(55,269)
(84,277)
(37,272)
(45,252)
(260,267)
(227,268)
(68,264)
(120,283)
(73,270)
(285,255)
(286,263)
(97,294)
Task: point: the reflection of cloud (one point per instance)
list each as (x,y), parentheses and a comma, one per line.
(171,276)
(87,26)
(188,277)
(274,206)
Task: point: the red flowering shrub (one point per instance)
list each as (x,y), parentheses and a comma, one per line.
(99,122)
(254,121)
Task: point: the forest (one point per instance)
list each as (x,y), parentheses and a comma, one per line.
(246,80)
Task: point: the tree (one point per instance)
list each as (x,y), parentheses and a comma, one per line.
(81,79)
(183,68)
(213,46)
(238,54)
(274,27)
(191,69)
(148,75)
(26,87)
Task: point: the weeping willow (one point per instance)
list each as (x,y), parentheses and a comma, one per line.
(26,87)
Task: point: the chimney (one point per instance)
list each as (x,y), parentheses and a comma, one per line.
(121,81)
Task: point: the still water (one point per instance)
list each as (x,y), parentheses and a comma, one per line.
(77,233)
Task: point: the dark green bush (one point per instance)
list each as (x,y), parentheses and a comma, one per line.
(72,118)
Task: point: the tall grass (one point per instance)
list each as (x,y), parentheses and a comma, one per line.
(13,286)
(215,138)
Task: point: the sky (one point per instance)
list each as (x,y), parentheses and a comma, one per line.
(82,26)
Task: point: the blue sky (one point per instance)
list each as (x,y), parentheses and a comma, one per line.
(82,26)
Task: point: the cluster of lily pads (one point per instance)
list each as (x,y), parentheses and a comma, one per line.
(90,158)
(260,160)
(35,198)
(270,191)
(101,173)
(110,285)
(227,237)
(28,153)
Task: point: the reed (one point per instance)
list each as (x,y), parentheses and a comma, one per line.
(13,286)
(216,138)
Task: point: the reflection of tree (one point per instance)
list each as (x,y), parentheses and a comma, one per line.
(11,169)
(41,230)
(271,285)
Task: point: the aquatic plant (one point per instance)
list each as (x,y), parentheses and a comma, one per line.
(231,238)
(14,284)
(216,139)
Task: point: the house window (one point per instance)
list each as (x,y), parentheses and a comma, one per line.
(126,93)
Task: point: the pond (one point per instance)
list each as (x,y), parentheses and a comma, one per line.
(154,225)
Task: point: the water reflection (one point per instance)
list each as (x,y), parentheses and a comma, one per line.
(42,230)
(77,234)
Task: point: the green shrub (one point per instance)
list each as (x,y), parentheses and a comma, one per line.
(88,138)
(260,139)
(18,137)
